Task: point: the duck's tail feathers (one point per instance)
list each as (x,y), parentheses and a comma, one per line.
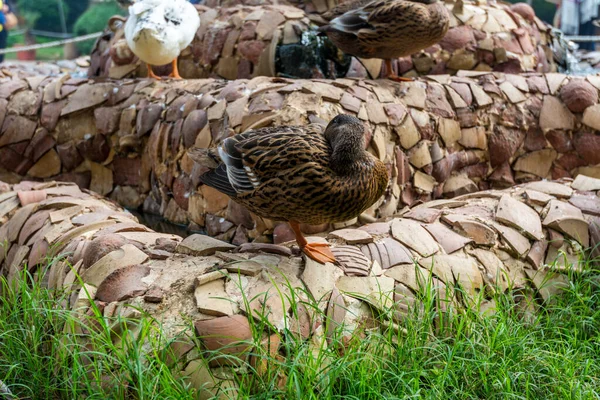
(218,179)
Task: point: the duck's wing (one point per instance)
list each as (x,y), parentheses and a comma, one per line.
(345,7)
(370,16)
(254,157)
(183,21)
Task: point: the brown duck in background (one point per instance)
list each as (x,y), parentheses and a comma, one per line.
(298,174)
(386,29)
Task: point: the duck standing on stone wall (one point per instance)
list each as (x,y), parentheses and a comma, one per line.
(157,31)
(298,174)
(386,29)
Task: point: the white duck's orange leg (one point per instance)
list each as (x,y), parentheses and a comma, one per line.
(320,252)
(175,73)
(151,73)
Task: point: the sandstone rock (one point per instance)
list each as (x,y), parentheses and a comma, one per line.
(201,245)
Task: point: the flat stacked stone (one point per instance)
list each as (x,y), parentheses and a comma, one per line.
(440,136)
(518,241)
(252,40)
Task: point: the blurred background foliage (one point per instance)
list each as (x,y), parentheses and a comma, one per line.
(94,19)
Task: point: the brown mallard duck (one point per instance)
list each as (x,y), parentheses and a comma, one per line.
(386,29)
(298,174)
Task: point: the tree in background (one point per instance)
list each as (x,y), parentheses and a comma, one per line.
(76,9)
(46,15)
(94,19)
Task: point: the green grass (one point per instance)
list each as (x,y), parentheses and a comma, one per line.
(552,354)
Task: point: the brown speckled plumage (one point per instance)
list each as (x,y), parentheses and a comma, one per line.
(386,29)
(301,173)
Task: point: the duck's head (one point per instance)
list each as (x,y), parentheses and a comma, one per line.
(345,130)
(346,135)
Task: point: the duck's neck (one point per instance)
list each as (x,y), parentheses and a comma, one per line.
(347,158)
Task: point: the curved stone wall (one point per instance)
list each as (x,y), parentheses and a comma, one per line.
(480,243)
(276,40)
(440,136)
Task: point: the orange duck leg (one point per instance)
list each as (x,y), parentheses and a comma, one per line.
(392,76)
(320,252)
(151,74)
(175,72)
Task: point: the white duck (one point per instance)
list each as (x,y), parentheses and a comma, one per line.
(158,30)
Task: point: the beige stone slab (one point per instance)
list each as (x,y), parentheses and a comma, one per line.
(481,97)
(537,253)
(474,138)
(212,299)
(125,256)
(495,272)
(480,233)
(568,219)
(415,94)
(352,236)
(513,238)
(555,115)
(551,188)
(412,275)
(555,81)
(65,213)
(8,205)
(320,278)
(520,216)
(585,183)
(538,198)
(449,130)
(548,283)
(467,275)
(513,94)
(377,291)
(591,117)
(424,182)
(147,237)
(562,258)
(588,204)
(407,133)
(414,236)
(447,238)
(202,245)
(419,156)
(537,163)
(424,214)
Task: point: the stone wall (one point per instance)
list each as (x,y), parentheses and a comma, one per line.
(440,136)
(277,40)
(482,243)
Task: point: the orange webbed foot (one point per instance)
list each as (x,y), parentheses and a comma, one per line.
(320,252)
(151,74)
(175,73)
(396,78)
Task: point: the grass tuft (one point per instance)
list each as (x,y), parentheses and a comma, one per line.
(552,354)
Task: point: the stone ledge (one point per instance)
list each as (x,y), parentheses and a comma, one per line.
(440,136)
(471,242)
